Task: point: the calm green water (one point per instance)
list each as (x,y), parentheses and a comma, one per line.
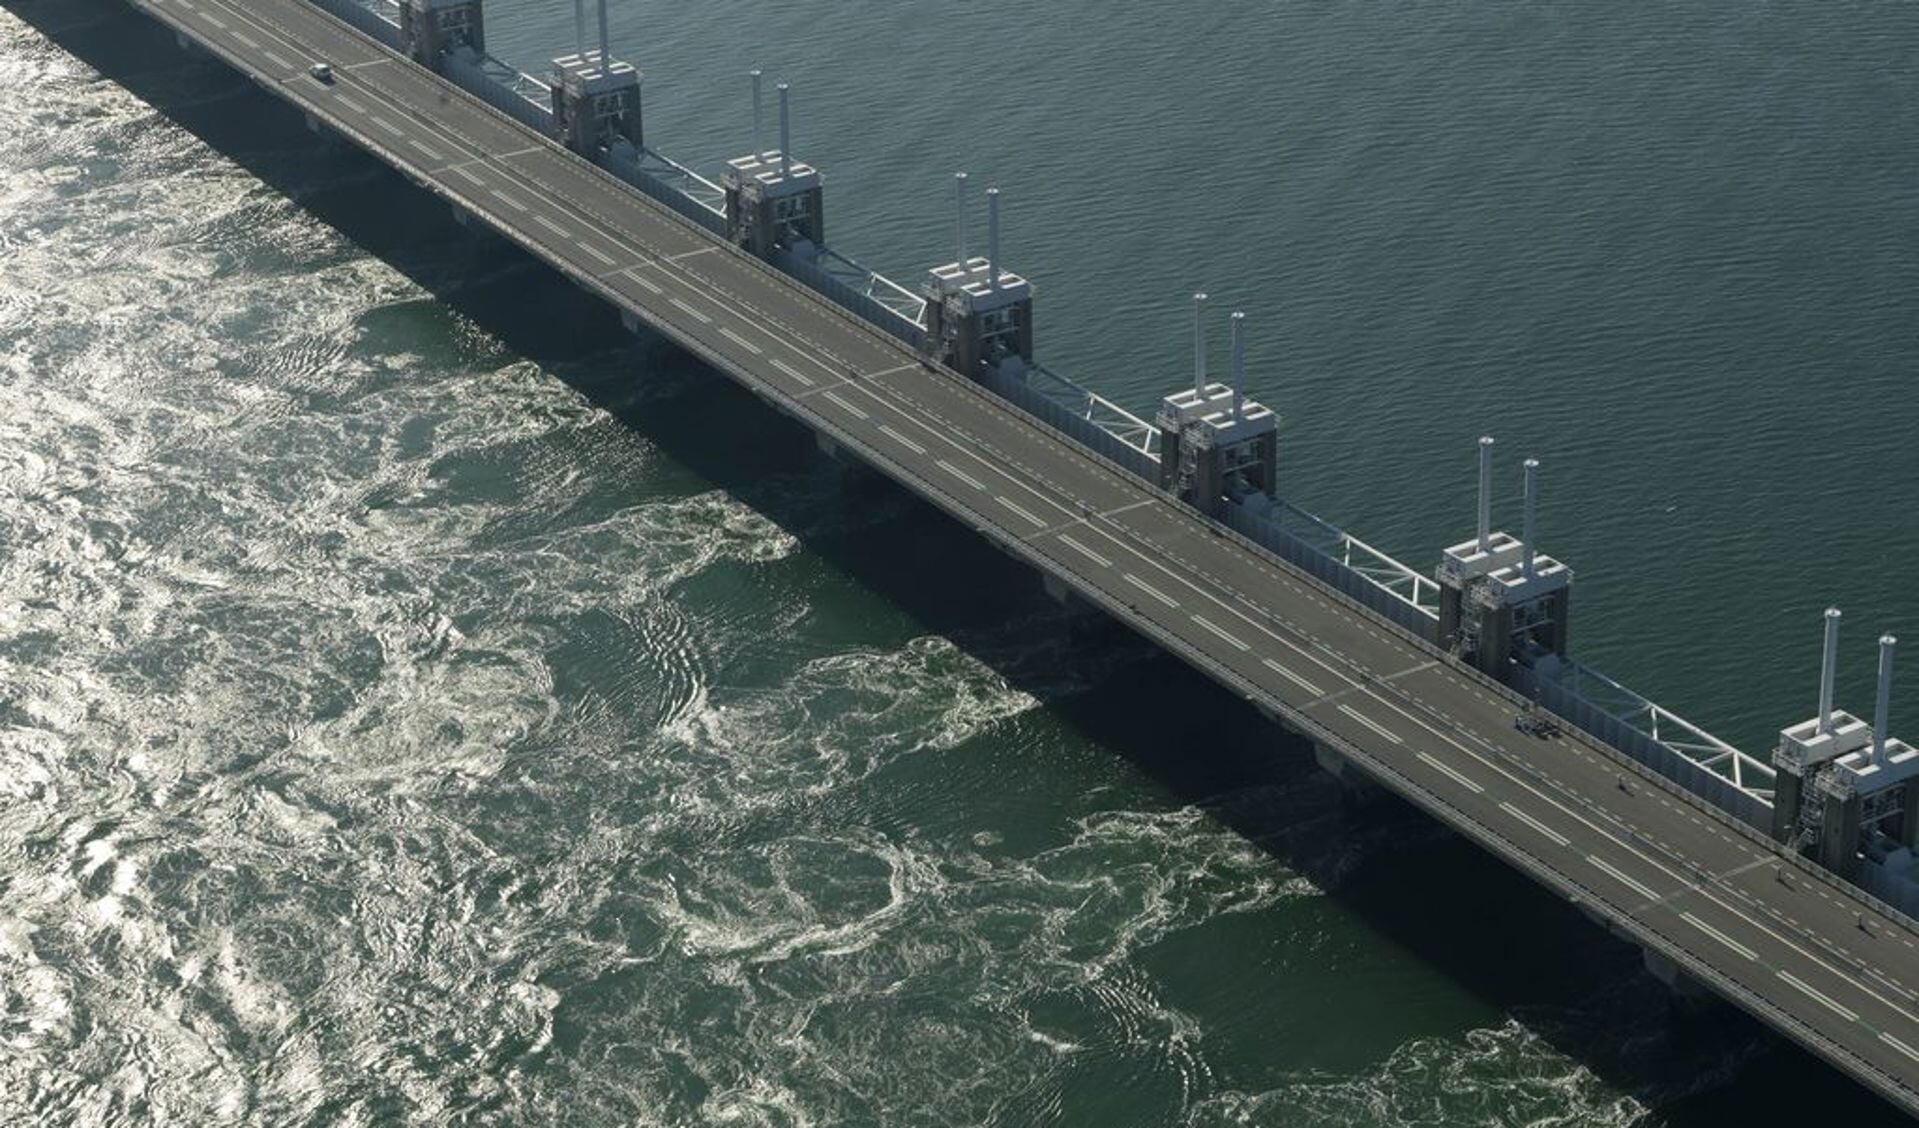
(421,703)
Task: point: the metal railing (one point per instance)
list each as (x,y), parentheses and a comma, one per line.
(378,18)
(858,290)
(520,96)
(1344,561)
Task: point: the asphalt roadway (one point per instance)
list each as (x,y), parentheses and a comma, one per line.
(1803,952)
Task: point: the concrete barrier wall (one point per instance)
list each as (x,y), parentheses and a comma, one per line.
(364,18)
(1324,568)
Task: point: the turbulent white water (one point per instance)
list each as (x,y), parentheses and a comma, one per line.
(393,730)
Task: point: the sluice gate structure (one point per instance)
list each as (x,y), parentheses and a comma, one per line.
(1778,883)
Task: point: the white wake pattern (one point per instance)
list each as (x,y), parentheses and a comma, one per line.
(381,742)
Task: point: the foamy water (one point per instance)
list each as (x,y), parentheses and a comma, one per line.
(403,721)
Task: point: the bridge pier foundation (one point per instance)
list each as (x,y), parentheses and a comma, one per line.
(1354,784)
(1686,990)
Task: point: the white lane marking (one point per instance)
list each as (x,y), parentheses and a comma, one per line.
(386,125)
(1610,837)
(553,227)
(689,311)
(1552,835)
(652,287)
(510,201)
(275,58)
(1900,1046)
(1022,511)
(430,154)
(1225,605)
(216,21)
(1613,872)
(1290,676)
(1835,1008)
(1736,911)
(1221,632)
(601,256)
(1450,772)
(252,44)
(1088,553)
(463,174)
(1719,936)
(958,473)
(1149,589)
(793,372)
(741,341)
(849,408)
(889,432)
(352,105)
(1381,730)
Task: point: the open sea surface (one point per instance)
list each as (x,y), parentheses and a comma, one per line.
(422,702)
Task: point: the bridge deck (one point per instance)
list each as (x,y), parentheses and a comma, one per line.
(1674,875)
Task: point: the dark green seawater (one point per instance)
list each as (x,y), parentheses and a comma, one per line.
(422,703)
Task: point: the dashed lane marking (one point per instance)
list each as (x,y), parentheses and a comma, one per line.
(1719,936)
(1149,589)
(843,405)
(1554,836)
(1450,772)
(553,227)
(1810,992)
(1021,510)
(688,310)
(1613,872)
(958,473)
(607,260)
(795,373)
(889,432)
(1290,676)
(741,341)
(1088,553)
(1378,729)
(1221,632)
